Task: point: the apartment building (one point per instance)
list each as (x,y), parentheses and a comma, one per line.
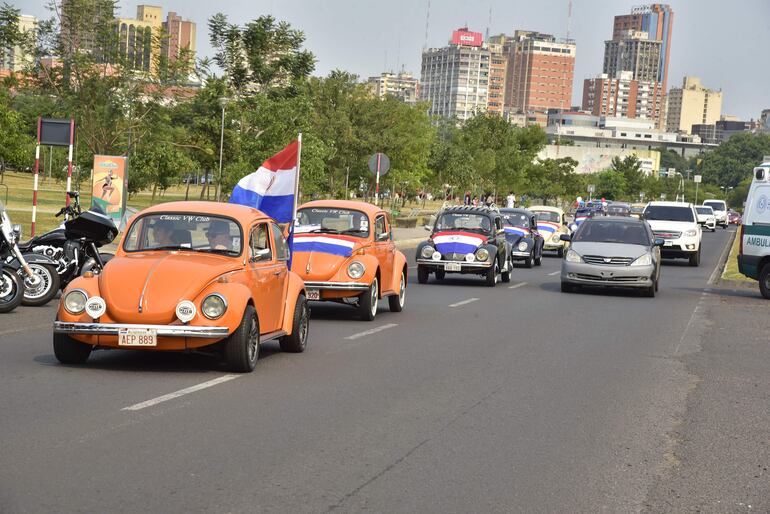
(623,96)
(179,36)
(15,59)
(656,21)
(692,104)
(497,73)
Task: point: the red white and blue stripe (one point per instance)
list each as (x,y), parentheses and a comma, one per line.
(547,226)
(457,242)
(271,188)
(580,219)
(327,243)
(517,231)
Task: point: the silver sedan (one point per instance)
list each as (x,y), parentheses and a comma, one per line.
(612,252)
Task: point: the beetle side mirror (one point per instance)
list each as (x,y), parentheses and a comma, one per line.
(384,236)
(426,227)
(260,254)
(659,241)
(565,237)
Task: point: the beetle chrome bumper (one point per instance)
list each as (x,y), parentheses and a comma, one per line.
(112,329)
(338,286)
(463,264)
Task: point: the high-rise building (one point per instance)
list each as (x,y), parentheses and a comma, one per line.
(623,96)
(455,79)
(692,104)
(85,27)
(764,120)
(17,58)
(179,36)
(397,85)
(139,38)
(633,52)
(656,20)
(497,73)
(539,74)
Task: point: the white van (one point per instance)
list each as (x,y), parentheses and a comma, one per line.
(720,211)
(754,255)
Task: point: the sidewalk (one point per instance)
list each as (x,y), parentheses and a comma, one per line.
(409,237)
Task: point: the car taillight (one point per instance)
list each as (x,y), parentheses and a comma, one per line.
(740,234)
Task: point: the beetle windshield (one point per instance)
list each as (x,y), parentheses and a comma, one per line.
(327,220)
(516,219)
(601,231)
(464,221)
(548,216)
(177,231)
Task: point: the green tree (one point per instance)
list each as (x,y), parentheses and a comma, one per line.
(732,161)
(554,178)
(16,145)
(610,185)
(631,169)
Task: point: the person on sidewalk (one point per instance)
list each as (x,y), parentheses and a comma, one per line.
(510,200)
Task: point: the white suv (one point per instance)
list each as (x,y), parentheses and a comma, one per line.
(720,211)
(677,224)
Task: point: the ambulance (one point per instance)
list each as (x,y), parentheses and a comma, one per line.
(754,255)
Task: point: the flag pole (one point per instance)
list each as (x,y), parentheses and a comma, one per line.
(296,195)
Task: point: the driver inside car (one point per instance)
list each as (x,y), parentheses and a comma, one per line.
(219,236)
(161,232)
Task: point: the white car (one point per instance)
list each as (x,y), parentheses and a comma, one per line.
(720,211)
(706,217)
(677,224)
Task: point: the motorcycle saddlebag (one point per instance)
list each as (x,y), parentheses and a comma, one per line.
(93,226)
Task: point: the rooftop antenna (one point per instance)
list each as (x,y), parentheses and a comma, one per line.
(489,22)
(569,18)
(427,26)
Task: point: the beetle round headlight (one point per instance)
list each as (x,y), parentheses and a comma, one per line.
(522,246)
(75,301)
(482,254)
(427,251)
(214,306)
(556,237)
(356,270)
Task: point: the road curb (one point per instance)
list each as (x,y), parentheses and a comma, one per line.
(716,275)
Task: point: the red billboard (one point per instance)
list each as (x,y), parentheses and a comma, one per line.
(467,38)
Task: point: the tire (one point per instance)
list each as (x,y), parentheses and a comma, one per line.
(422,274)
(657,284)
(695,258)
(46,290)
(714,229)
(528,262)
(649,292)
(242,346)
(367,302)
(396,301)
(505,276)
(69,351)
(11,290)
(567,287)
(560,252)
(300,325)
(492,274)
(764,281)
(539,259)
(440,274)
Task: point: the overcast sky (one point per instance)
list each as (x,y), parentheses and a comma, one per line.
(724,43)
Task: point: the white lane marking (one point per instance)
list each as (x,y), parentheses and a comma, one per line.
(24,329)
(181,392)
(554,273)
(464,302)
(372,331)
(515,286)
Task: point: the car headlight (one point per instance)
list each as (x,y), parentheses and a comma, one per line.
(573,227)
(356,270)
(573,256)
(214,306)
(556,237)
(644,260)
(522,246)
(75,301)
(691,233)
(482,254)
(427,251)
(469,257)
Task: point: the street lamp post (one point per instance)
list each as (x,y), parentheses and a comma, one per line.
(222,102)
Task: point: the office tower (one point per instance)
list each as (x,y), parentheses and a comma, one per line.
(139,38)
(633,52)
(179,35)
(656,20)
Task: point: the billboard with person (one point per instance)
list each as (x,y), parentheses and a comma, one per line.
(109,185)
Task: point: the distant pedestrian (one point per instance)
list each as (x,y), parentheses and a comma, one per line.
(489,200)
(467,198)
(510,200)
(475,201)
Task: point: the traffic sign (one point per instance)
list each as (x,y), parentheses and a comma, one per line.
(379,163)
(591,188)
(697,178)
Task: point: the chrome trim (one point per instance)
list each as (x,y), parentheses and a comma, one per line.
(463,264)
(338,286)
(224,300)
(521,254)
(272,335)
(64,303)
(112,329)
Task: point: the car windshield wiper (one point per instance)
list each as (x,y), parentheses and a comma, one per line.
(215,250)
(322,231)
(354,231)
(167,247)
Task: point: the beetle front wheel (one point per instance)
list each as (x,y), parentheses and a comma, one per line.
(242,346)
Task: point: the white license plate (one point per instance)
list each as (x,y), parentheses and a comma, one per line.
(668,243)
(452,266)
(137,337)
(313,294)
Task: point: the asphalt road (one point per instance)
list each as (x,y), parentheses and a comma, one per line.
(514,399)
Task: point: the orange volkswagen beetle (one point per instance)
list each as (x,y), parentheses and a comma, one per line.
(189,276)
(344,251)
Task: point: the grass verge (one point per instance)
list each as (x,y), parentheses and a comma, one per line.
(731,266)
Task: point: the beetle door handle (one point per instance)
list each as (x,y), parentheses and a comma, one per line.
(278,273)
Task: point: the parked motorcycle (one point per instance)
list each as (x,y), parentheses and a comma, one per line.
(11,284)
(74,246)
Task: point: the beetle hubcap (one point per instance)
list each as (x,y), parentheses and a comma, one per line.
(253,343)
(375,296)
(303,325)
(402,291)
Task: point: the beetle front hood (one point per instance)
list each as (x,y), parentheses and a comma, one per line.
(450,241)
(319,256)
(159,280)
